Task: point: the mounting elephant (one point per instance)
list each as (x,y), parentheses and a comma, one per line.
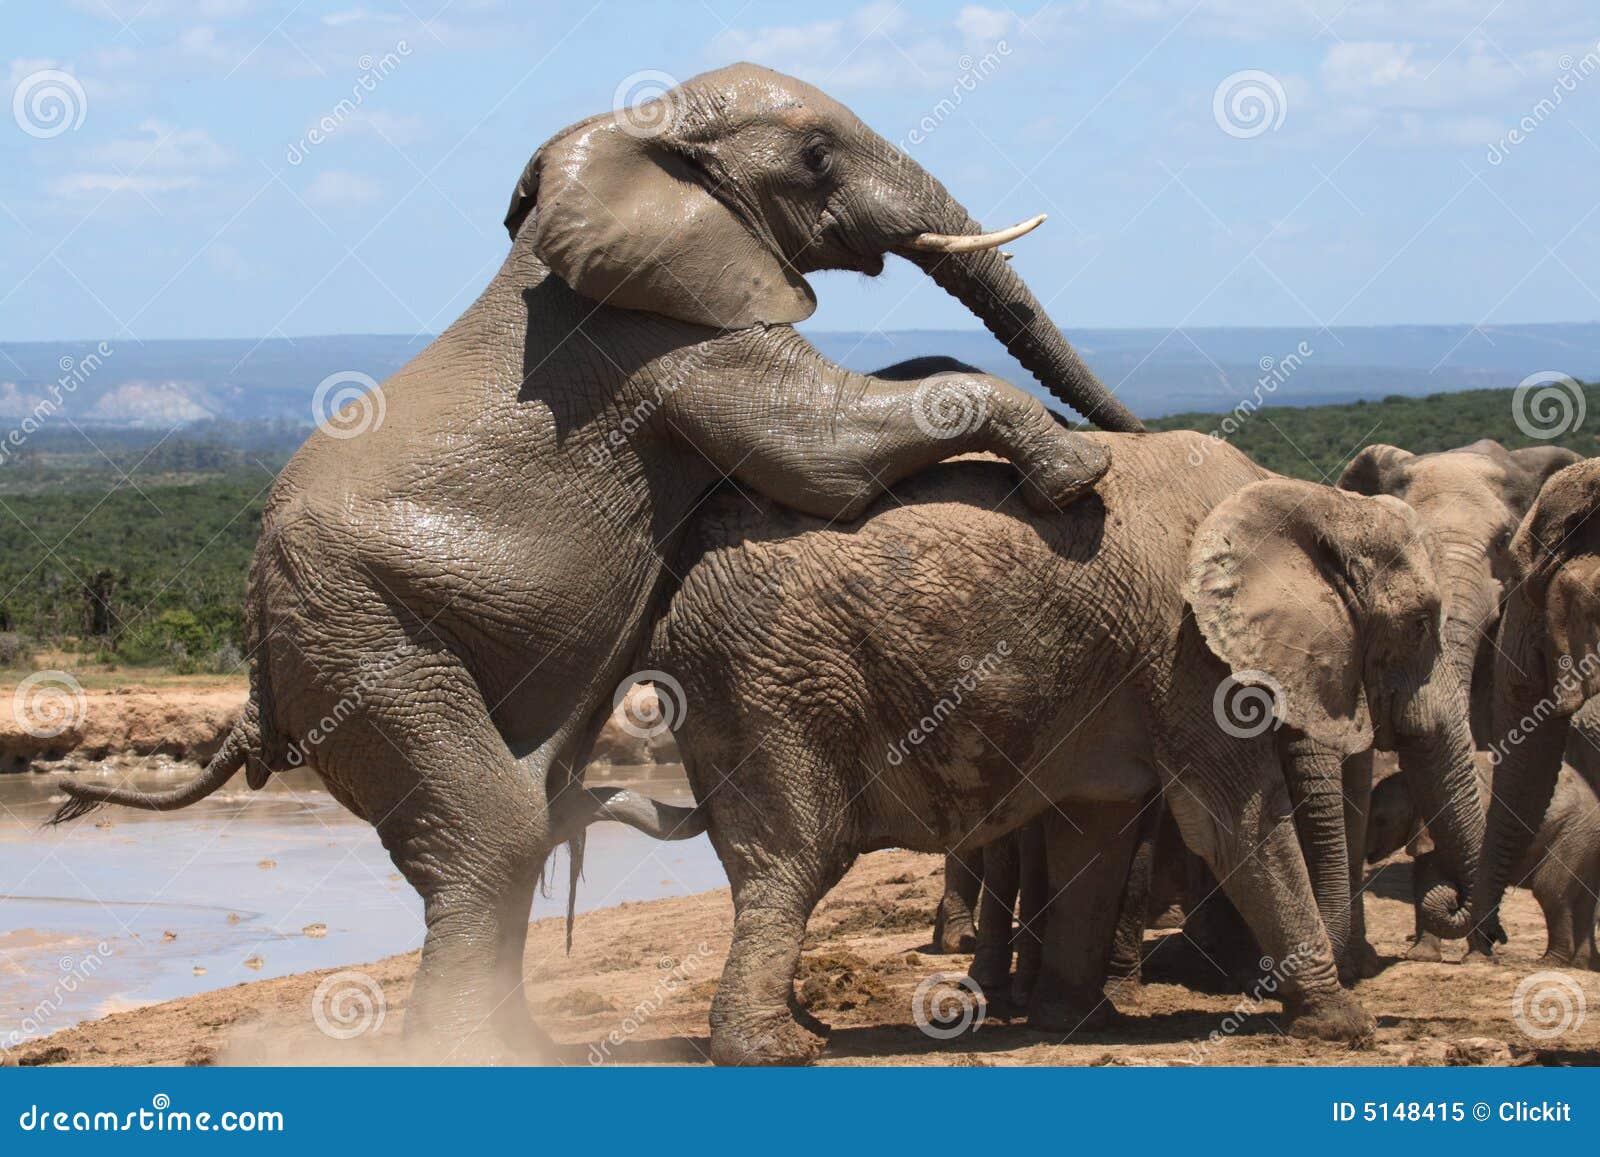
(1547,664)
(1471,501)
(956,664)
(462,587)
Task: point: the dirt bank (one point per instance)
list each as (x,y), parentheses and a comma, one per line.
(638,985)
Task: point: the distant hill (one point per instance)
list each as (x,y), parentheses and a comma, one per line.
(160,384)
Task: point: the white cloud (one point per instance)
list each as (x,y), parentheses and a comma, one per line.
(985,25)
(162,147)
(337,187)
(1388,74)
(359,16)
(87,184)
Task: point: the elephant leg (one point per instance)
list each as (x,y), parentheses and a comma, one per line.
(1089,849)
(1127,945)
(1032,900)
(1359,960)
(991,961)
(954,925)
(1426,948)
(754,1014)
(1256,857)
(1583,904)
(1552,888)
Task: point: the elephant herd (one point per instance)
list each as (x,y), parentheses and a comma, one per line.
(910,609)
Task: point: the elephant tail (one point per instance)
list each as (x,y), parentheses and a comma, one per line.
(83,798)
(578,807)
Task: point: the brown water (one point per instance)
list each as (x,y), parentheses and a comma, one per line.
(99,916)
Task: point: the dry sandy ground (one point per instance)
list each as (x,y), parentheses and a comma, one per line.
(645,972)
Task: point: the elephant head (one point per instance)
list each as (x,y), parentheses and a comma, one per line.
(710,203)
(1329,603)
(1547,664)
(1471,500)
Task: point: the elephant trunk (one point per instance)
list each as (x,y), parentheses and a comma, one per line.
(1440,775)
(1529,740)
(1315,776)
(1473,607)
(578,807)
(986,284)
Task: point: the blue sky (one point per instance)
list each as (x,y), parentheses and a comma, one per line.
(171,192)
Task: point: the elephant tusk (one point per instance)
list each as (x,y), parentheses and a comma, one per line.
(971,242)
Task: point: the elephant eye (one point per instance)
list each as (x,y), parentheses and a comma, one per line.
(818,156)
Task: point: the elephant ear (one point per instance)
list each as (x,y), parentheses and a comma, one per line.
(1378,469)
(1557,549)
(626,218)
(1543,462)
(1264,582)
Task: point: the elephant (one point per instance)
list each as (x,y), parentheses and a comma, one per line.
(1471,500)
(1561,866)
(1546,666)
(441,608)
(955,665)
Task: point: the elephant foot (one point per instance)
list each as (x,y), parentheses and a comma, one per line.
(956,935)
(1478,957)
(1074,1011)
(1359,962)
(1554,960)
(765,1041)
(1334,1016)
(1123,991)
(1425,949)
(991,972)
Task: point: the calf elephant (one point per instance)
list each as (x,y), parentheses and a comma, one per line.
(461,587)
(1561,866)
(956,665)
(1547,664)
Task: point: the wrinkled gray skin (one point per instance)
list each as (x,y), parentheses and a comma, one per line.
(1561,866)
(1546,666)
(1471,501)
(813,656)
(463,587)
